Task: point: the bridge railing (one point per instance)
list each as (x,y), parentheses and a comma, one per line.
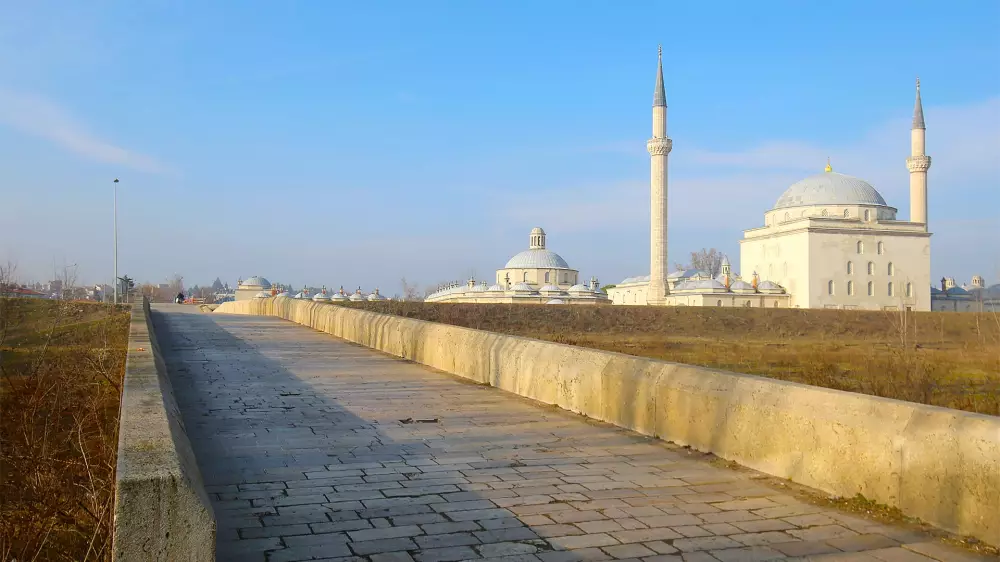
(162,512)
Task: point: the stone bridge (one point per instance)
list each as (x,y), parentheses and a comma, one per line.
(309,447)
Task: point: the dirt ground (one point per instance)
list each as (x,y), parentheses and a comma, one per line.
(944,359)
(61,367)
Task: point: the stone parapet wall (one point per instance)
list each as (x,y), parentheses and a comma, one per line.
(162,512)
(936,464)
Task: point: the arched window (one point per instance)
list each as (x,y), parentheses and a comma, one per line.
(881,248)
(909,289)
(525,277)
(788,217)
(861,247)
(775,304)
(850,288)
(850,268)
(868,215)
(871,289)
(718,303)
(829,287)
(824,213)
(546,276)
(847,213)
(871,268)
(890,288)
(892,270)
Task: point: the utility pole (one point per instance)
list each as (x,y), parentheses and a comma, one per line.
(116,240)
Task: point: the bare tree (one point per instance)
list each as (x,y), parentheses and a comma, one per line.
(707,260)
(8,305)
(410,292)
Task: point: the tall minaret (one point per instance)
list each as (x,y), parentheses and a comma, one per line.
(659,147)
(917,163)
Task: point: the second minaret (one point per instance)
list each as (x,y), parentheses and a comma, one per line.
(659,147)
(918,163)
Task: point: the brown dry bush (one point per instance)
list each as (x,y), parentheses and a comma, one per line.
(62,367)
(942,359)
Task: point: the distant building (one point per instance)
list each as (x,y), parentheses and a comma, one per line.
(25,293)
(249,288)
(974,297)
(534,276)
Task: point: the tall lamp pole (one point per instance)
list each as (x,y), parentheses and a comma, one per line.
(116,240)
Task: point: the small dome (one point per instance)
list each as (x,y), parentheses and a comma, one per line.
(537,259)
(830,188)
(321,296)
(283,294)
(686,274)
(496,288)
(356,297)
(958,292)
(254,282)
(375,296)
(741,286)
(338,297)
(699,285)
(549,289)
(522,287)
(768,285)
(636,279)
(555,301)
(578,288)
(479,289)
(537,230)
(262,295)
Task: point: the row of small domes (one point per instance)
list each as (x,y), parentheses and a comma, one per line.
(578,289)
(322,296)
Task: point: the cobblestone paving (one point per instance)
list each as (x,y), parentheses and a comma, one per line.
(312,448)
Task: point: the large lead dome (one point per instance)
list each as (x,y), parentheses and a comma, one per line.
(536,256)
(830,188)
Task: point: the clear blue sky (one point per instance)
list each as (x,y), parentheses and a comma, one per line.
(355,143)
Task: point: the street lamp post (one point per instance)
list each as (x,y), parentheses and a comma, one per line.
(116,240)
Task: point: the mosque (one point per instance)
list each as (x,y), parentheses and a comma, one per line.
(535,276)
(830,241)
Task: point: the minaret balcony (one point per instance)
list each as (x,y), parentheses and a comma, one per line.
(659,146)
(918,163)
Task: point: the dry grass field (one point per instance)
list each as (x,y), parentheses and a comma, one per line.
(61,368)
(944,359)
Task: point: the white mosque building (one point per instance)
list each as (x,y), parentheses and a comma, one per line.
(830,241)
(534,276)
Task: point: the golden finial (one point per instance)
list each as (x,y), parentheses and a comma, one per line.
(828,167)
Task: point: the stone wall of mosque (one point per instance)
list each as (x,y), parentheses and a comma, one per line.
(783,259)
(865,269)
(869,270)
(631,294)
(564,278)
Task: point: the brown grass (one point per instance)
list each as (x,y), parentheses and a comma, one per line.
(943,359)
(62,366)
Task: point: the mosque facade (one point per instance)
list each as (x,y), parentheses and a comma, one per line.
(830,241)
(534,276)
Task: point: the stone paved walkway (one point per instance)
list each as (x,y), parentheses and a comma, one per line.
(301,445)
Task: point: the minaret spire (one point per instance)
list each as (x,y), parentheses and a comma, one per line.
(659,93)
(659,147)
(918,110)
(918,163)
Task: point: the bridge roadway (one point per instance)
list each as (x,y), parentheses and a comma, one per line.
(300,442)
